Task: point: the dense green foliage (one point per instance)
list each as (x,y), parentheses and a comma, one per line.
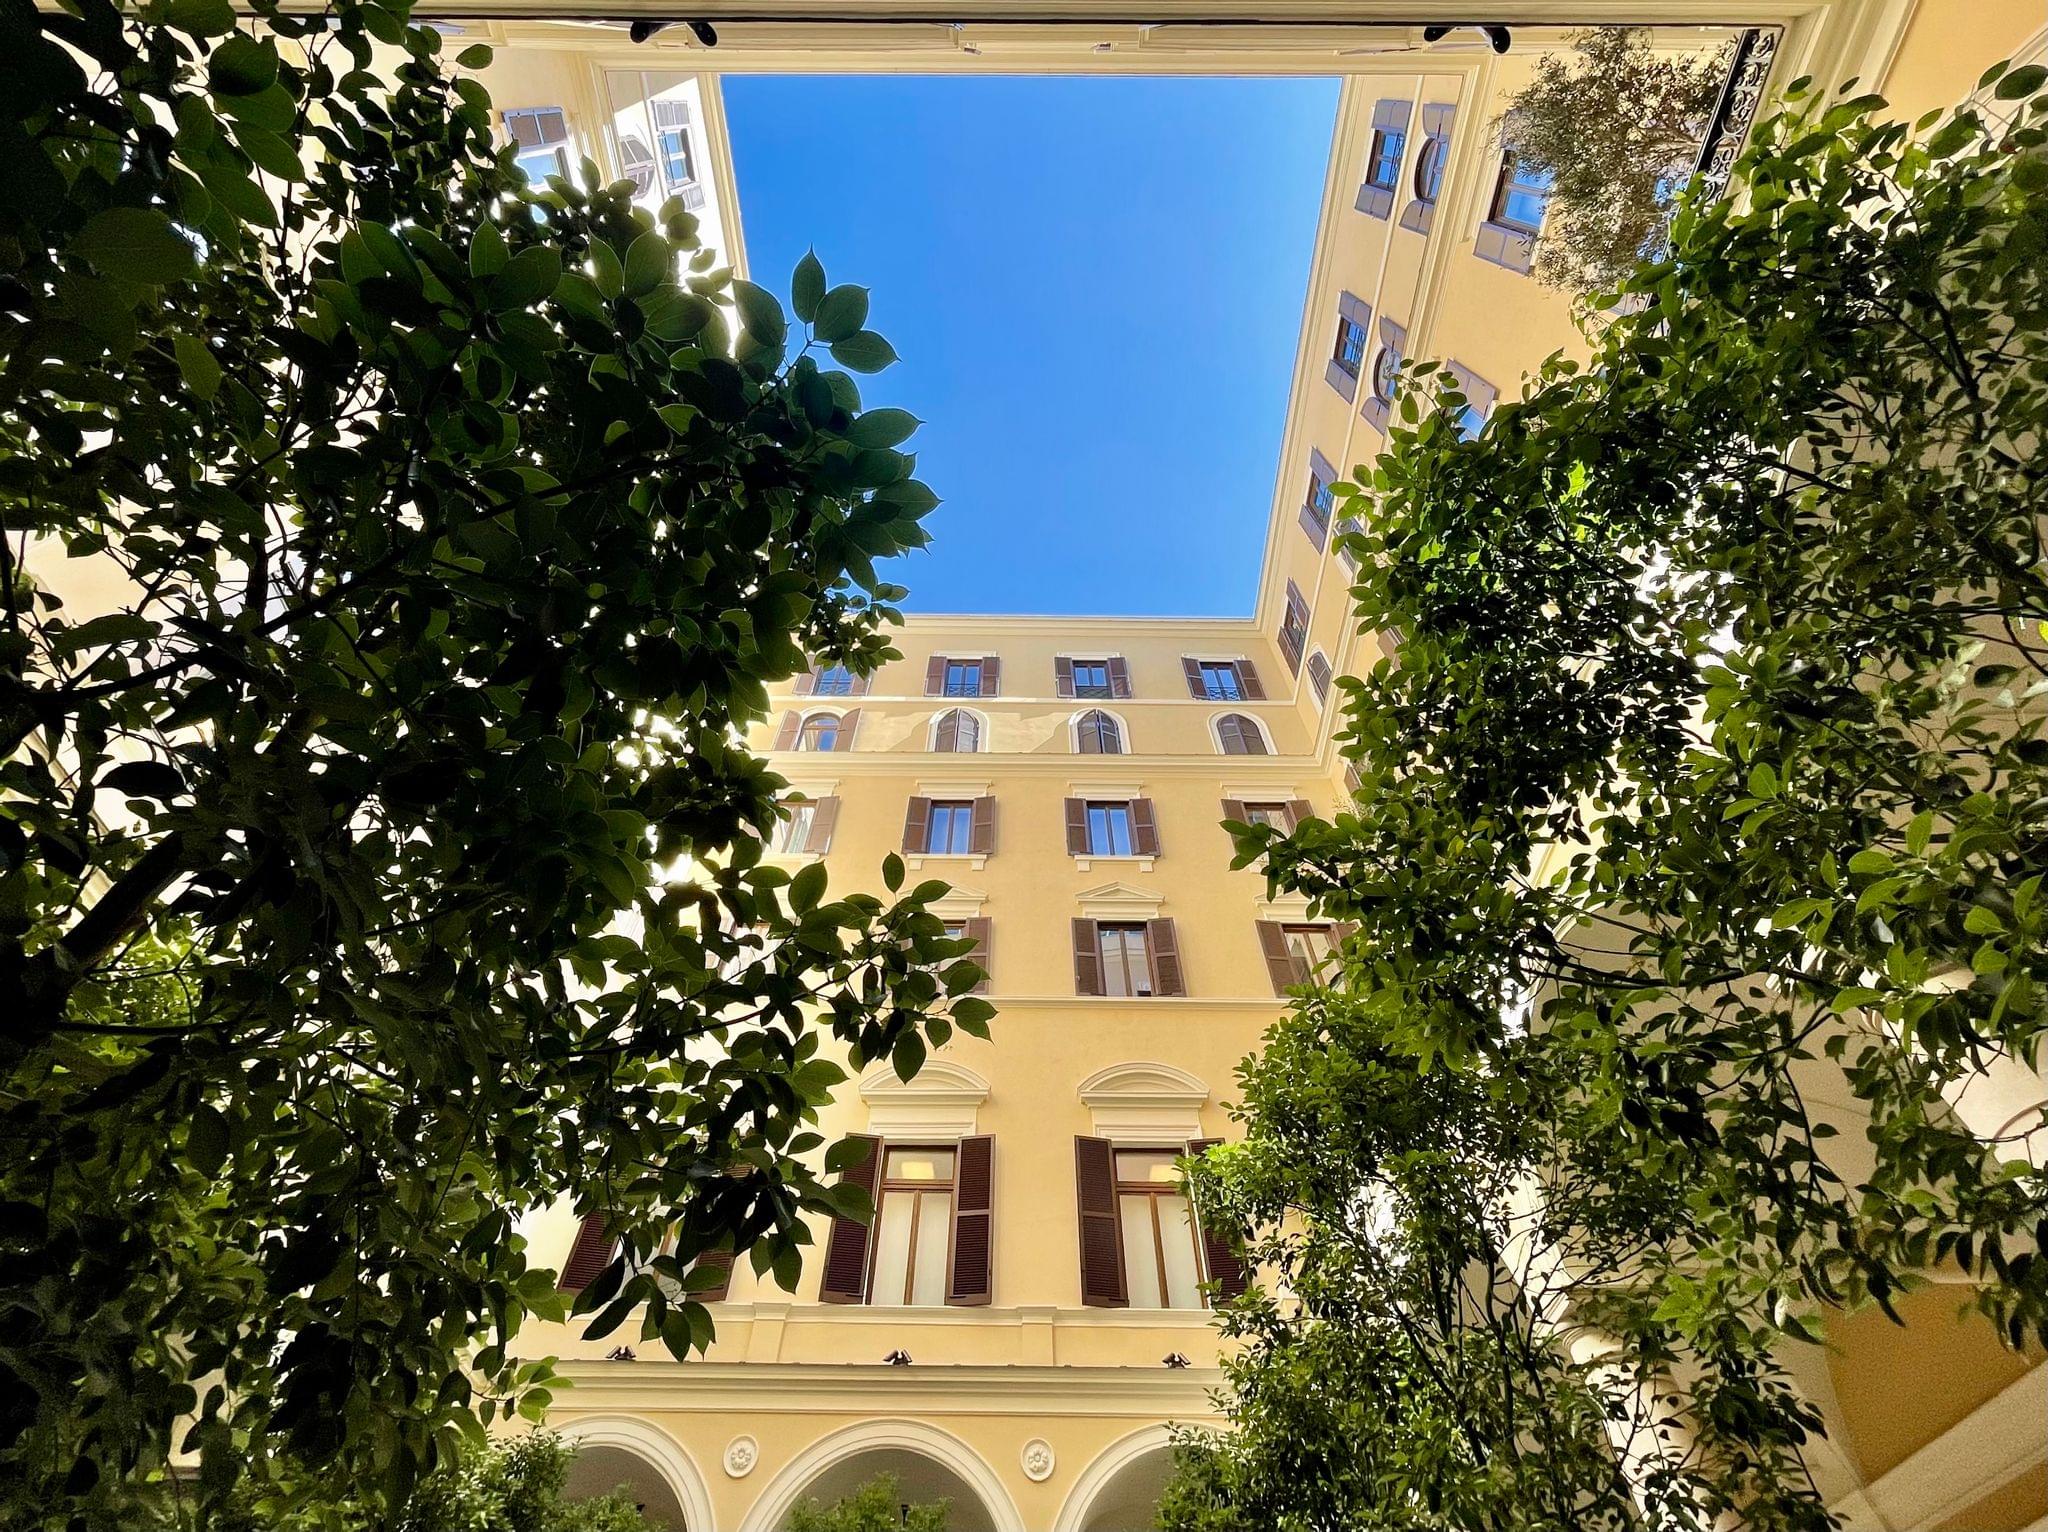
(1696,864)
(377,860)
(505,1486)
(876,1506)
(1618,125)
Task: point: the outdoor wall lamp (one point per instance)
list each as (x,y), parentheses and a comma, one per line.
(703,31)
(1495,33)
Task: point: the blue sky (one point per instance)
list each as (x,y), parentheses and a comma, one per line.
(1095,285)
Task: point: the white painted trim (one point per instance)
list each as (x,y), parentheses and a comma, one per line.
(942,1101)
(1986,1450)
(1102,1472)
(1118,901)
(1289,909)
(952,788)
(838,1388)
(1140,863)
(1128,788)
(653,1446)
(915,860)
(1144,1101)
(959,904)
(947,1450)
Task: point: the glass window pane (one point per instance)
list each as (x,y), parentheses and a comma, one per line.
(1141,1252)
(1155,1166)
(892,1248)
(919,1165)
(1177,1238)
(934,1234)
(796,830)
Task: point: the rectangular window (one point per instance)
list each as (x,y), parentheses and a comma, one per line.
(913,1227)
(835,681)
(1109,829)
(963,678)
(1091,678)
(1294,626)
(1274,814)
(1220,681)
(1385,166)
(1162,1262)
(672,138)
(1322,500)
(951,830)
(795,831)
(1126,960)
(1350,351)
(1308,946)
(1522,194)
(542,136)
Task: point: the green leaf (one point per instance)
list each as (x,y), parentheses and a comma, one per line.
(206,1140)
(846,1154)
(201,18)
(196,363)
(807,888)
(2023,81)
(807,287)
(271,152)
(475,56)
(892,872)
(882,428)
(487,252)
(109,628)
(136,244)
(760,313)
(841,312)
(863,351)
(242,66)
(649,263)
(528,277)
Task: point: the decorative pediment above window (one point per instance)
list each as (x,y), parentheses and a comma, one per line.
(1289,909)
(1120,901)
(942,1101)
(1145,1102)
(959,903)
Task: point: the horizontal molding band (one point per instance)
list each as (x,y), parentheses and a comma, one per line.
(818,1388)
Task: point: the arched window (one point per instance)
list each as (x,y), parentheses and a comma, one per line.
(1097,733)
(957,730)
(1386,373)
(1239,735)
(820,732)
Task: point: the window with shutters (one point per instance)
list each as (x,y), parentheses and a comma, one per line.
(1307,945)
(1126,958)
(1386,373)
(1429,167)
(1109,829)
(541,136)
(913,1226)
(1294,626)
(1162,1254)
(1237,734)
(794,833)
(957,730)
(820,732)
(1276,815)
(1521,194)
(950,830)
(1295,951)
(1098,733)
(1220,680)
(1349,352)
(975,930)
(963,678)
(1091,678)
(672,136)
(1383,164)
(1319,675)
(833,681)
(1322,500)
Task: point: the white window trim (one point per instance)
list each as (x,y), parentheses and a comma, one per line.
(915,860)
(1216,734)
(931,733)
(803,722)
(1119,902)
(941,1102)
(1123,726)
(1145,1104)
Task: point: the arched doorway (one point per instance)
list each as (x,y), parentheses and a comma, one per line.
(621,1453)
(1120,1490)
(928,1464)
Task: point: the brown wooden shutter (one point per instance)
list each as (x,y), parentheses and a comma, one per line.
(935,676)
(1248,681)
(1102,1246)
(589,1254)
(849,721)
(846,1246)
(1077,827)
(970,1282)
(1298,809)
(948,735)
(785,737)
(1144,828)
(824,817)
(1088,734)
(1063,677)
(1087,958)
(1233,808)
(859,687)
(1279,961)
(1192,669)
(1164,951)
(807,682)
(991,676)
(1229,735)
(983,834)
(1119,676)
(983,937)
(1226,1270)
(917,824)
(719,1261)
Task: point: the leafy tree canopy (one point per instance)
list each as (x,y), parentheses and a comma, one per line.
(1696,863)
(381,861)
(877,1506)
(1617,123)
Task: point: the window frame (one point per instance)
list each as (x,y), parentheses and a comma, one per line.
(958,811)
(1342,354)
(916,1190)
(1386,373)
(1126,930)
(1110,810)
(1209,693)
(824,683)
(1506,184)
(1089,689)
(556,148)
(967,714)
(1155,1192)
(1258,728)
(1432,164)
(817,720)
(1388,149)
(966,668)
(1081,722)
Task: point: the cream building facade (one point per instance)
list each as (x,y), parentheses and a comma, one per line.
(1025,1320)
